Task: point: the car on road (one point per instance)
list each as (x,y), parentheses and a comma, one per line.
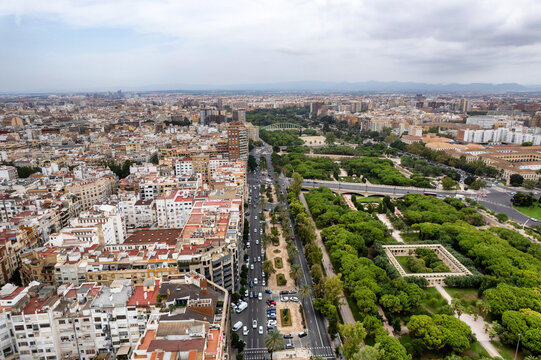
(258,258)
(533,219)
(288,336)
(255,281)
(268,291)
(255,260)
(237,326)
(251,284)
(246,293)
(245,330)
(257,242)
(251,294)
(260,330)
(260,296)
(251,266)
(254,324)
(302,334)
(264,283)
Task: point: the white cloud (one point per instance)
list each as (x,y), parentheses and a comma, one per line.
(328,40)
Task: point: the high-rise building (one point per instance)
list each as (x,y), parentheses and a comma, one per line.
(237,141)
(239,115)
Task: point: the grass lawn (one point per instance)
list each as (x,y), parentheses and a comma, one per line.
(369,199)
(476,350)
(433,302)
(534,211)
(403,260)
(285,317)
(410,237)
(469,295)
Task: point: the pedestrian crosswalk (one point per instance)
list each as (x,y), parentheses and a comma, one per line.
(325,352)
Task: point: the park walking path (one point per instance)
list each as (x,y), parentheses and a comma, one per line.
(477,326)
(345,310)
(395,233)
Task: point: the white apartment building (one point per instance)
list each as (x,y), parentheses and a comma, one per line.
(173,208)
(184,167)
(500,135)
(136,212)
(116,323)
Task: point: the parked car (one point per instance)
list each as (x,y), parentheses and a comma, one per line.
(268,291)
(288,336)
(302,334)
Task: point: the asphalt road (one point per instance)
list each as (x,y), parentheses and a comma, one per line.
(317,340)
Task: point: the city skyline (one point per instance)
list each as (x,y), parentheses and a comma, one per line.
(65,46)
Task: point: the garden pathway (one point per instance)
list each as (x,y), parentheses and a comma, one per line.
(395,233)
(477,326)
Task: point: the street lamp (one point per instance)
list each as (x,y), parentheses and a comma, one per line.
(518,344)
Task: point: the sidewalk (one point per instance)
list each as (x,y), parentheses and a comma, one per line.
(395,233)
(345,311)
(477,326)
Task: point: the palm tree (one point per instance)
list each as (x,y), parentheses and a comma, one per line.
(295,272)
(457,307)
(305,291)
(268,268)
(265,240)
(292,252)
(274,341)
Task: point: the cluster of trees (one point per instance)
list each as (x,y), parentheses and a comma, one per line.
(426,262)
(474,183)
(523,199)
(382,171)
(512,268)
(374,150)
(281,137)
(308,167)
(346,238)
(25,171)
(425,168)
(184,122)
(440,332)
(511,265)
(478,167)
(123,170)
(419,209)
(252,163)
(291,114)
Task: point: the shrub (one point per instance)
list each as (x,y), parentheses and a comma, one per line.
(278,263)
(281,280)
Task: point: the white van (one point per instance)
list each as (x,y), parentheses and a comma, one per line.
(243,305)
(237,326)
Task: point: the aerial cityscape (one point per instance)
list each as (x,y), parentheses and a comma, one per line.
(270,180)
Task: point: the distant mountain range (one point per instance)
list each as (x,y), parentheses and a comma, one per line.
(321,87)
(365,86)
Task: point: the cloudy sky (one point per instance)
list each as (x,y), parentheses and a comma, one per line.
(128,44)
